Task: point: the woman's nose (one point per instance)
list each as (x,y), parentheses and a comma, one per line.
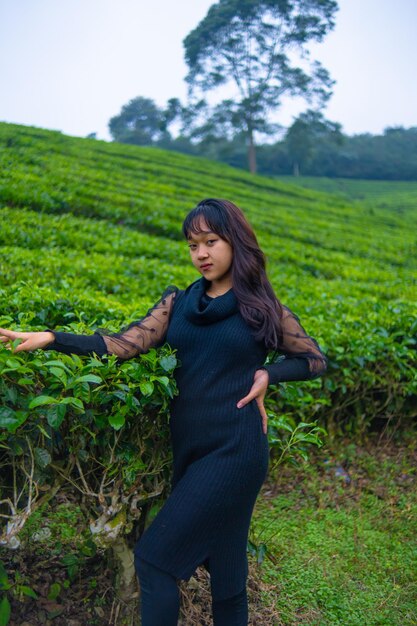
(202,253)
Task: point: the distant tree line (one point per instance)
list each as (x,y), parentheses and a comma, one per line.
(311,146)
(259,49)
(329,152)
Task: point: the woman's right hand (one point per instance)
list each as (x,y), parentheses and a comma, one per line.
(30,341)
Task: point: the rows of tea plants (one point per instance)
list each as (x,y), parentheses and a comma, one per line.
(99,224)
(396,195)
(90,236)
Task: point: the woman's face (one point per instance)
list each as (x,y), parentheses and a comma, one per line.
(211,255)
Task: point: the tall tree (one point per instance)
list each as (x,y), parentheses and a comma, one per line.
(260,46)
(306,132)
(140,122)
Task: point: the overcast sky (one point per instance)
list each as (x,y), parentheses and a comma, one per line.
(70,65)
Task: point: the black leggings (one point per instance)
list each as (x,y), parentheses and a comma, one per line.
(160,600)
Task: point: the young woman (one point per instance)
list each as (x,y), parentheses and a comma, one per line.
(223,326)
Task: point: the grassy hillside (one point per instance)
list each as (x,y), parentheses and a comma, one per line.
(393,195)
(91,234)
(125,204)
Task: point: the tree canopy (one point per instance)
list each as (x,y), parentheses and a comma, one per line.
(259,46)
(140,122)
(308,131)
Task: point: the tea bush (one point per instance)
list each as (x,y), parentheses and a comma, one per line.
(99,225)
(90,236)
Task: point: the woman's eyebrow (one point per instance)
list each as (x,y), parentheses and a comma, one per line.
(202,232)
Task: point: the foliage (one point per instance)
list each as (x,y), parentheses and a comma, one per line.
(58,561)
(311,145)
(389,156)
(340,547)
(252,44)
(91,235)
(142,122)
(84,237)
(291,441)
(306,132)
(8,588)
(105,433)
(398,197)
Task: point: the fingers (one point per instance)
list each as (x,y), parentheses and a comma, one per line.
(10,335)
(24,346)
(8,345)
(28,340)
(258,389)
(263,413)
(251,395)
(7,334)
(257,392)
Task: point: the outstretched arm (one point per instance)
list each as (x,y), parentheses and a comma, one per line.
(136,338)
(28,341)
(141,335)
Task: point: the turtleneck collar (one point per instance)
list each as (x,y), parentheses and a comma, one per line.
(204,310)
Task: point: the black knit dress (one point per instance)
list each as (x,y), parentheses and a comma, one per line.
(220,452)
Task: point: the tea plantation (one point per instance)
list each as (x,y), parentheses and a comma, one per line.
(396,195)
(90,235)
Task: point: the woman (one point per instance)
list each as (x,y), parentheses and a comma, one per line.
(222,326)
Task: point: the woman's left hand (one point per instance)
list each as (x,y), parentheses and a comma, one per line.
(257,392)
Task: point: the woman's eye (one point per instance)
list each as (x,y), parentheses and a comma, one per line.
(211,241)
(192,246)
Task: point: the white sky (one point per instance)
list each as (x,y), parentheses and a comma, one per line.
(71,64)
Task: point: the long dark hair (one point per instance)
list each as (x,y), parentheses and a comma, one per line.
(258,304)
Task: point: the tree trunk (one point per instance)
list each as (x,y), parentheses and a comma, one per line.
(296,169)
(251,152)
(127,611)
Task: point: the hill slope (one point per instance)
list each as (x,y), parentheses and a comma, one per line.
(394,195)
(96,228)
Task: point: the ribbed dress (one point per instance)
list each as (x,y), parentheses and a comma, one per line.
(220,453)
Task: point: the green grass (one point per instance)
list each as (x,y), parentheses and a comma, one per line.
(343,554)
(91,234)
(124,203)
(395,195)
(96,227)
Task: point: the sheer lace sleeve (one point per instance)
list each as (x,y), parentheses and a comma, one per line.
(141,335)
(136,338)
(303,358)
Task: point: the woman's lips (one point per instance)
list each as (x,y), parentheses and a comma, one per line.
(206,266)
